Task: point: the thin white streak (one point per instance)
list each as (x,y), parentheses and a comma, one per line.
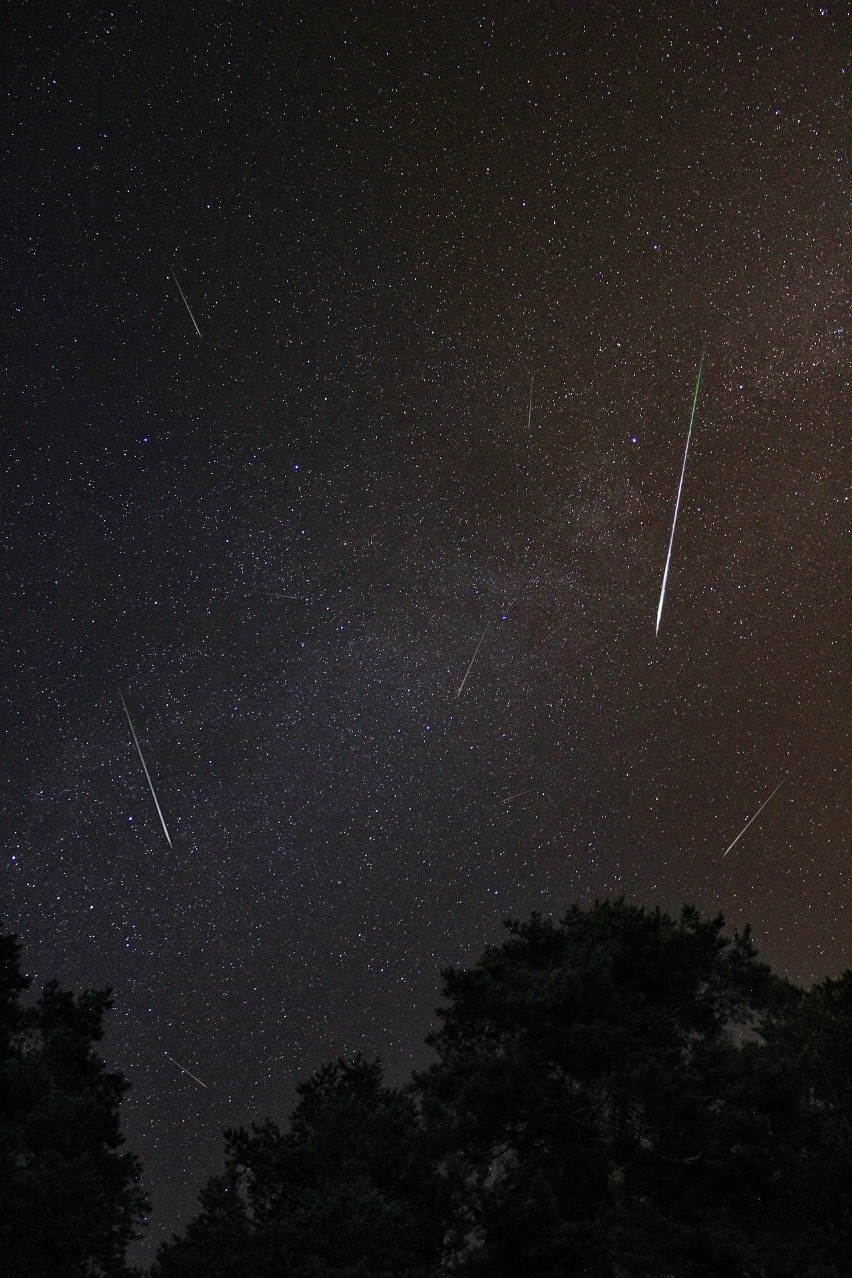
(519,795)
(187,1071)
(529,414)
(473,658)
(679,487)
(145,769)
(186,303)
(754,818)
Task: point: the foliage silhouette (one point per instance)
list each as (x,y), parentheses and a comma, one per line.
(615,1094)
(619,1093)
(347,1191)
(70,1201)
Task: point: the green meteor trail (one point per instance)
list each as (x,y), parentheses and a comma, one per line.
(145,769)
(679,487)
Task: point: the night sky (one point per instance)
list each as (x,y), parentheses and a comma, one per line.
(453,266)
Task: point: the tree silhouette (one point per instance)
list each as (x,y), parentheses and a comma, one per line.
(69,1196)
(618,1094)
(613,1096)
(347,1192)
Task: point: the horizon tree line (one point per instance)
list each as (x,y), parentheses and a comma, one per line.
(616,1093)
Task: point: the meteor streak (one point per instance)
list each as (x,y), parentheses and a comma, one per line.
(186,1071)
(754,818)
(518,795)
(147,773)
(529,414)
(679,487)
(473,658)
(186,303)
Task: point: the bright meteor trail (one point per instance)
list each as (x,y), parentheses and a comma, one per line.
(147,773)
(186,303)
(679,487)
(756,815)
(473,658)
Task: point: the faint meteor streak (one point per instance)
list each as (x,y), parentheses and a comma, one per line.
(186,303)
(754,818)
(529,414)
(679,487)
(194,1078)
(518,795)
(473,658)
(145,769)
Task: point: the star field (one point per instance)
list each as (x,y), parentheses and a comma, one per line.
(284,539)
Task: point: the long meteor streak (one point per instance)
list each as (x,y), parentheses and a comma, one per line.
(679,487)
(473,658)
(756,815)
(529,414)
(183,1068)
(145,769)
(186,303)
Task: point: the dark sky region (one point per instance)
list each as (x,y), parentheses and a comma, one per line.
(284,538)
